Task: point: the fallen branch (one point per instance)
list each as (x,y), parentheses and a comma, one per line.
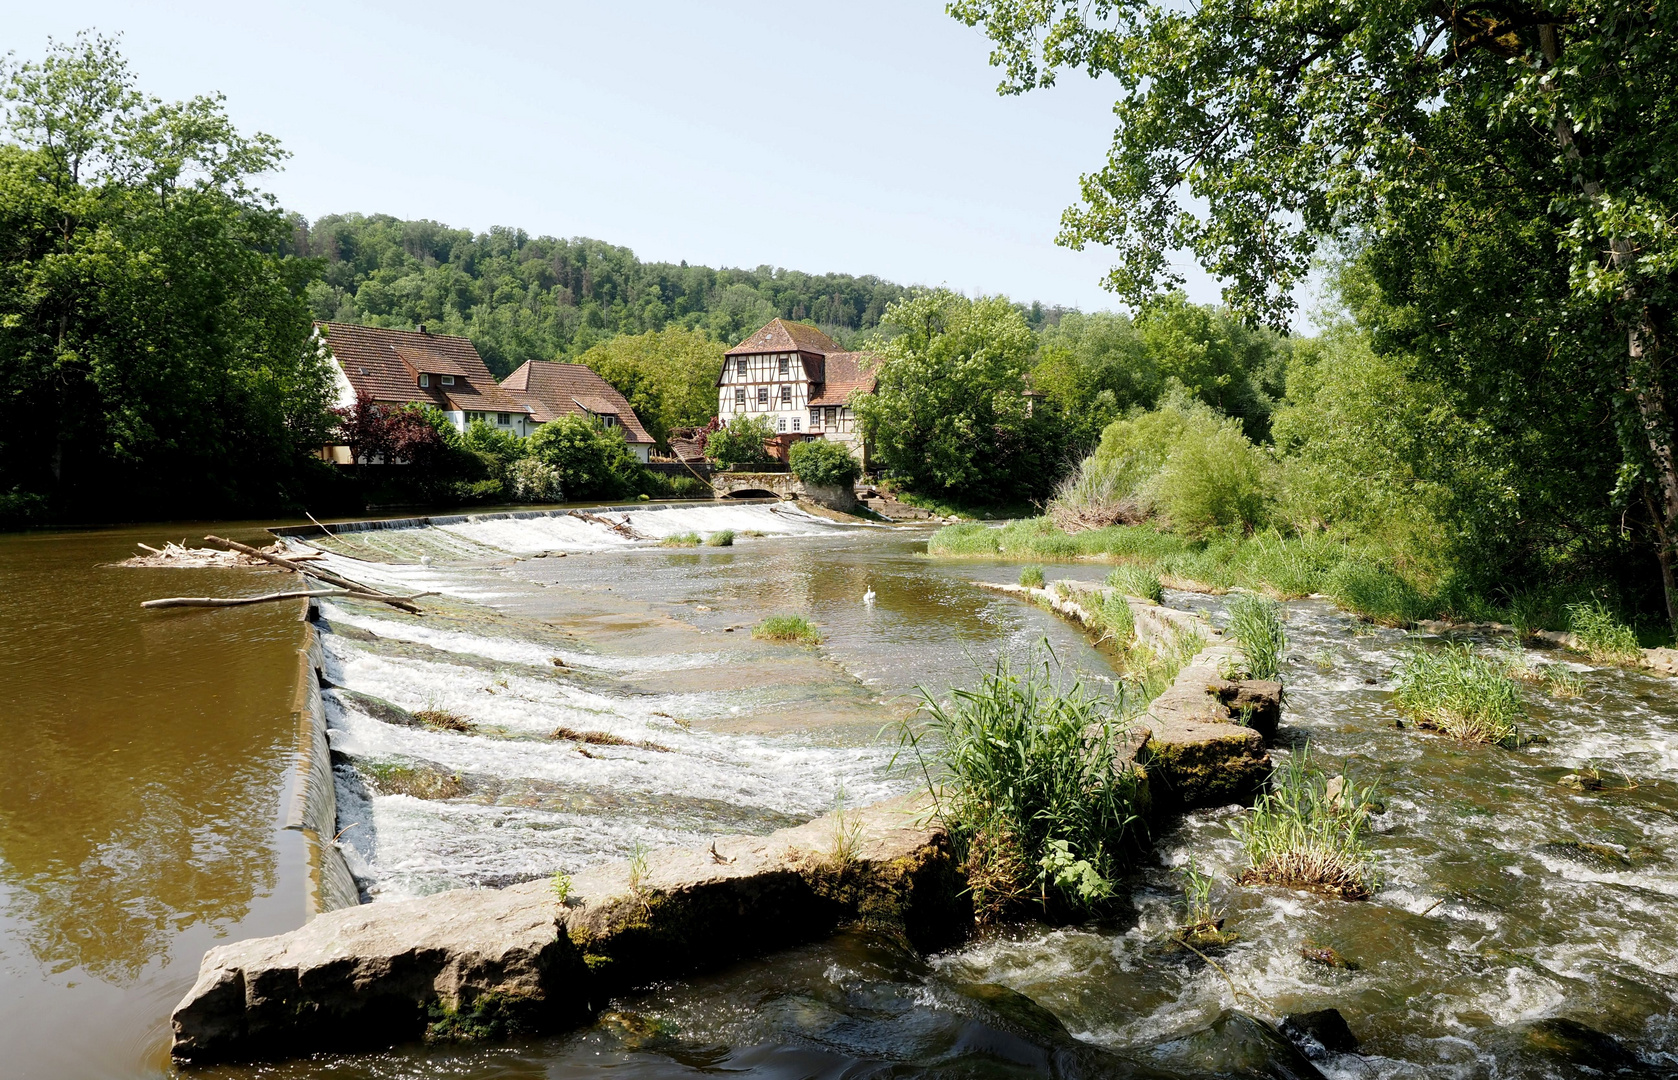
(239,601)
(622,528)
(367,592)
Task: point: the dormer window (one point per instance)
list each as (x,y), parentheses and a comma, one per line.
(448,380)
(786,366)
(425,380)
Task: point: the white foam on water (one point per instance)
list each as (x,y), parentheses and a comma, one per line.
(511,650)
(567,533)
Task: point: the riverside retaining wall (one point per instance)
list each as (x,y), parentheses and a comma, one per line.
(314,799)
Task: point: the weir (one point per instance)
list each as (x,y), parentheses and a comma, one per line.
(541,956)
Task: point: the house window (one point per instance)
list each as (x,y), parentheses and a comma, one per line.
(795,423)
(815,419)
(448,380)
(763,395)
(740,396)
(833,418)
(503,419)
(740,366)
(425,380)
(781,424)
(785,366)
(609,421)
(786,395)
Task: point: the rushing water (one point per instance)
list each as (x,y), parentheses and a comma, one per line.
(1507,901)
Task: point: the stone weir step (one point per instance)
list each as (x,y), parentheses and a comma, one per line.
(492,963)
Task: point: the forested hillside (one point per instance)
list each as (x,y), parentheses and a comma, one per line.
(520,298)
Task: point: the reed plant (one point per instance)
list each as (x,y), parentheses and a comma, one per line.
(1115,620)
(720,538)
(795,629)
(1027,773)
(1457,692)
(1308,831)
(1256,622)
(1602,637)
(1031,577)
(1135,579)
(1560,683)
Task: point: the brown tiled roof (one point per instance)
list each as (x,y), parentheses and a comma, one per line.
(844,374)
(553,390)
(783,336)
(385,365)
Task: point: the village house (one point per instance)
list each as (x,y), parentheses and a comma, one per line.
(798,378)
(414,367)
(549,391)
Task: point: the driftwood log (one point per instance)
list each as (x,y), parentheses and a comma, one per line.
(366,592)
(622,528)
(240,601)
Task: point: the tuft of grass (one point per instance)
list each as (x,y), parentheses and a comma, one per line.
(1134,579)
(1600,635)
(1308,831)
(1560,683)
(1115,619)
(560,883)
(419,781)
(443,720)
(720,538)
(1256,622)
(1456,692)
(788,628)
(687,539)
(1027,774)
(1031,577)
(638,870)
(847,835)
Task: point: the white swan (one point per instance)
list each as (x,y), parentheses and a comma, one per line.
(868,597)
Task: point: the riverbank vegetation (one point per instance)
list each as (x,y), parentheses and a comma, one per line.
(1026,772)
(1256,623)
(1310,831)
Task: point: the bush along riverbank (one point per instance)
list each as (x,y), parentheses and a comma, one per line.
(1363,581)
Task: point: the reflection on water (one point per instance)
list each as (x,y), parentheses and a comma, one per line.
(145,756)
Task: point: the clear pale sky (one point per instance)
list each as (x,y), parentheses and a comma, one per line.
(858,137)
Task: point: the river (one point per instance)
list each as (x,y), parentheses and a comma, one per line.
(153,751)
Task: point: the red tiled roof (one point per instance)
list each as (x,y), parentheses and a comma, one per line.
(385,365)
(553,390)
(783,336)
(845,373)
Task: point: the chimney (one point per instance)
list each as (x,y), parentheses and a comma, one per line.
(422,329)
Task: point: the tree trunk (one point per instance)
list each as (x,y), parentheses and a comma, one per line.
(1643,357)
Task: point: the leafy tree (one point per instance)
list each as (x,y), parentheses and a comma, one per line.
(669,376)
(742,441)
(823,463)
(950,414)
(151,330)
(1527,149)
(591,461)
(522,298)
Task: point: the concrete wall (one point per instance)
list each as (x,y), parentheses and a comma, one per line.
(313,809)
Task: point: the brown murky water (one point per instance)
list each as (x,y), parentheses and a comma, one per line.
(144,758)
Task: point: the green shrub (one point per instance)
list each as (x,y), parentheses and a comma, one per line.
(533,480)
(742,442)
(1309,832)
(592,461)
(1027,776)
(1213,478)
(686,539)
(1134,579)
(1459,693)
(720,538)
(1032,577)
(1601,636)
(788,628)
(1256,622)
(824,464)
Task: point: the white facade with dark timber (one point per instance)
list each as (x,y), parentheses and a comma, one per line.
(798,378)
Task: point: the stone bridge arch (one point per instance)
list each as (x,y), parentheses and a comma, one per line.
(756,485)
